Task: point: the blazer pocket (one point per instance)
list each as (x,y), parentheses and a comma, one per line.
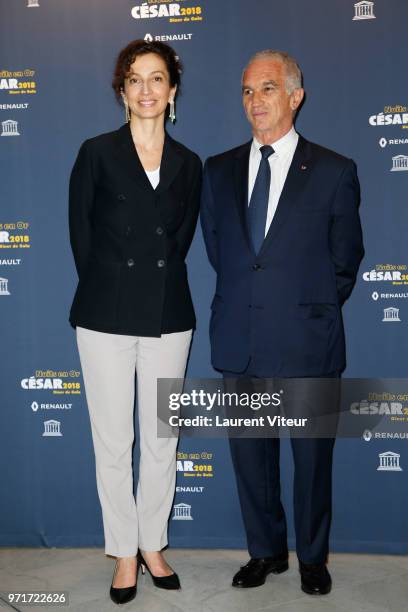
(311,211)
(317,310)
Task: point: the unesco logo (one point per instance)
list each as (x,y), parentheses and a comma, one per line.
(4,286)
(9,128)
(363,10)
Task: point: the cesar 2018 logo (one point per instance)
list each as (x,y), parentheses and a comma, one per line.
(172,11)
(18,82)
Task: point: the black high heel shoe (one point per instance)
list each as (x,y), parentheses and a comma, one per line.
(171,582)
(125,594)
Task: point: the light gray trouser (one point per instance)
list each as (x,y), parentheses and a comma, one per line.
(109,362)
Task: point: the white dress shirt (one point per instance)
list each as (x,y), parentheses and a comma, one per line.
(154,177)
(279,163)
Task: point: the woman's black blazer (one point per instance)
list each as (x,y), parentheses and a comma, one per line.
(129,240)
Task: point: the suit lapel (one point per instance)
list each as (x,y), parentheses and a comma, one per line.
(298,174)
(127,154)
(171,162)
(241,168)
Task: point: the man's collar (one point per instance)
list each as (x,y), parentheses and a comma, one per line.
(281,146)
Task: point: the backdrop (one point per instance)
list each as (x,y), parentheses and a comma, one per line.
(57,58)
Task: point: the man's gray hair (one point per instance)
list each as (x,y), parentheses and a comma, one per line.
(293,79)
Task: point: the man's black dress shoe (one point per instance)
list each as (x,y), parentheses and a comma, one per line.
(124,594)
(254,573)
(315,579)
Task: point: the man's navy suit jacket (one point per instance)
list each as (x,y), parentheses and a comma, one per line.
(281,308)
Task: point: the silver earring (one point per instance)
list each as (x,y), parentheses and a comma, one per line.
(127,111)
(172,113)
(126,105)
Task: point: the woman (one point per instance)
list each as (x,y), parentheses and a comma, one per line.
(134,200)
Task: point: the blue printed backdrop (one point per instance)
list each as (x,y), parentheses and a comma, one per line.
(55,72)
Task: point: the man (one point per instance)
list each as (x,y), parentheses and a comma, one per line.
(282,230)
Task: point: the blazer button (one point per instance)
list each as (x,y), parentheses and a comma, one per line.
(159,230)
(256,267)
(130,263)
(128,230)
(160,263)
(121,197)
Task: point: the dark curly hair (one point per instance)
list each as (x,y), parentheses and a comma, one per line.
(141,47)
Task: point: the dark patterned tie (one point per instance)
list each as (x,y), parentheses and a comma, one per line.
(258,204)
